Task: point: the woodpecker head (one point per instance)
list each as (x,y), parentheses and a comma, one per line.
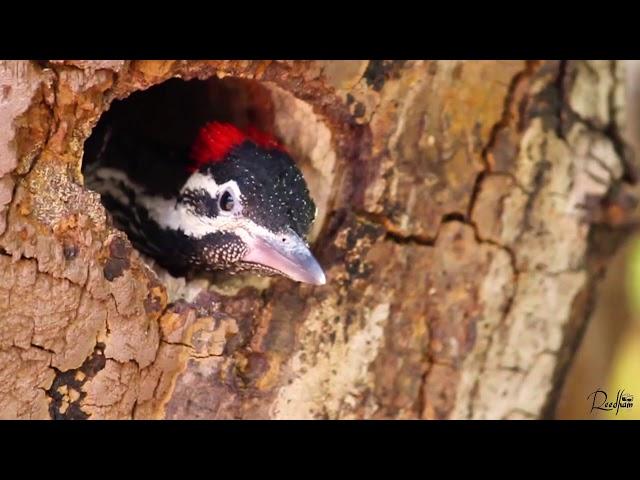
(246,206)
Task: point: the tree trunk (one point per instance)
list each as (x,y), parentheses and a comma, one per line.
(461,263)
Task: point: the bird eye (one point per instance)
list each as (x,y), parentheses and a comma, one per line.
(226,201)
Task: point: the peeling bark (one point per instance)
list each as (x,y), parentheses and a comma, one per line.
(461,260)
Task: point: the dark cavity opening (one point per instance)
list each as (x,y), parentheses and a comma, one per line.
(169,116)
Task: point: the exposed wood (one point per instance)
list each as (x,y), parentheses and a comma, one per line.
(460,263)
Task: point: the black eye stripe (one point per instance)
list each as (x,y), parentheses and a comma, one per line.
(200,201)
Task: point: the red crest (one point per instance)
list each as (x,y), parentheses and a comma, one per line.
(217,139)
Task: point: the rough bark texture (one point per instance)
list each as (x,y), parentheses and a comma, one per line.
(460,266)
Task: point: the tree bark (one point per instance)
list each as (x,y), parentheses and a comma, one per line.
(461,265)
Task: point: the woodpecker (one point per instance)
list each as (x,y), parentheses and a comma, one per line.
(233,201)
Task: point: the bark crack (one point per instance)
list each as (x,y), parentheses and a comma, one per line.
(467,219)
(192,350)
(505,120)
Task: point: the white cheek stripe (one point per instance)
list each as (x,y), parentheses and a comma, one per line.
(199,181)
(168,214)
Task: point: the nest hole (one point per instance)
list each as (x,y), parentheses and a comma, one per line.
(170,115)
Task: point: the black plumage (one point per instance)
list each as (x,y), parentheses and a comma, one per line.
(273,196)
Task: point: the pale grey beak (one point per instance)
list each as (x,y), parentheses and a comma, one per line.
(288,254)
